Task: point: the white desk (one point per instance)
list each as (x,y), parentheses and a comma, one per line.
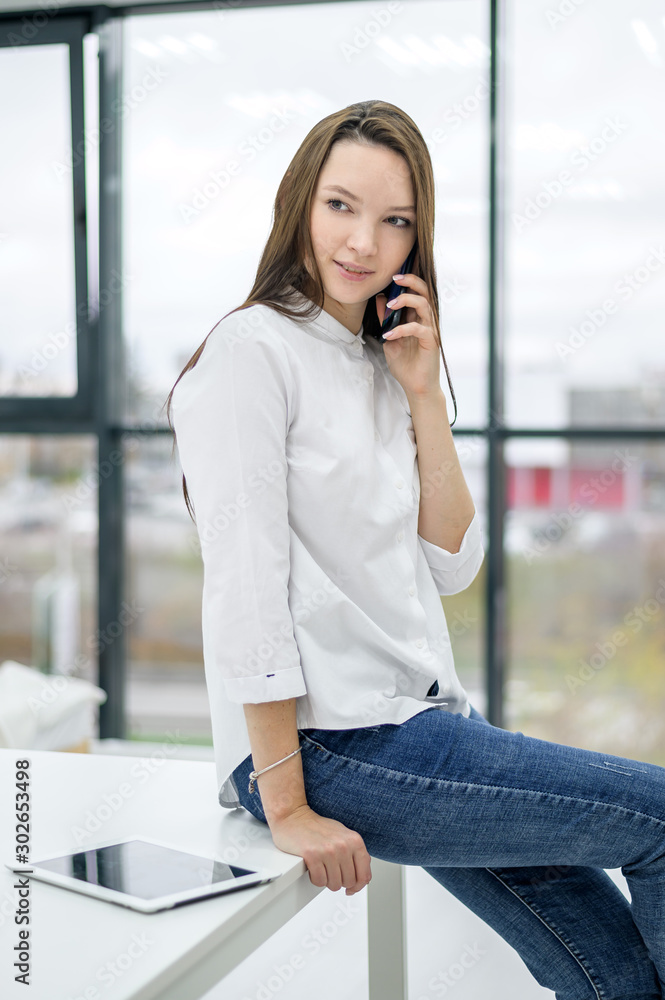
(85,949)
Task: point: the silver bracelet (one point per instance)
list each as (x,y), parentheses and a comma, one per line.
(254,774)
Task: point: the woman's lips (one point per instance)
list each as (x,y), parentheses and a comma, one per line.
(350,275)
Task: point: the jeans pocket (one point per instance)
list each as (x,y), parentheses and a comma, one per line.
(310,741)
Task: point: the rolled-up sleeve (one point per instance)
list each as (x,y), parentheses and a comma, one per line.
(454,571)
(231,418)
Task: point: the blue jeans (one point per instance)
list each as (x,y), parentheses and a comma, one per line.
(518,829)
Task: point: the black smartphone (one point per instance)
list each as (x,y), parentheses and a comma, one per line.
(393,317)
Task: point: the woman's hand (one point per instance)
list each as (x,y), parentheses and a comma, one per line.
(334,855)
(411,349)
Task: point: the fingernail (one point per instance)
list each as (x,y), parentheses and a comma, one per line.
(391,303)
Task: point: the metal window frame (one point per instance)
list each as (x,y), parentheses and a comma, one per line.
(35,414)
(98,407)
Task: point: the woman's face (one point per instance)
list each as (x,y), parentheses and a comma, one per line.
(371,225)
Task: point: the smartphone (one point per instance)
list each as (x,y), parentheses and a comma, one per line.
(394,317)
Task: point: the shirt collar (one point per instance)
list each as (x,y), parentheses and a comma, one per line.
(331,326)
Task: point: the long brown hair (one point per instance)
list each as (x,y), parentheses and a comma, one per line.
(373,123)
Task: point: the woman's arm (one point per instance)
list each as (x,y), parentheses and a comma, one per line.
(273,734)
(335,856)
(446,505)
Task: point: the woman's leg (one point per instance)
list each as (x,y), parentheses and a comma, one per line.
(555,918)
(572,927)
(445,792)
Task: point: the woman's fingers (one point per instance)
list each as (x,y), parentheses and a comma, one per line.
(334,855)
(321,869)
(339,864)
(349,876)
(347,865)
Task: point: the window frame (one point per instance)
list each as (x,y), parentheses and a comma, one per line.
(37,413)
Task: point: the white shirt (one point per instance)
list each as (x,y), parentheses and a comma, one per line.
(300,458)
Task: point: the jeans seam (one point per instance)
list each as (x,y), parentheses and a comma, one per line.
(596,988)
(471,784)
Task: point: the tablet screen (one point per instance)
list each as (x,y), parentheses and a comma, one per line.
(142,869)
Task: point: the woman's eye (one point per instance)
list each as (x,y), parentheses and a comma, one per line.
(336,201)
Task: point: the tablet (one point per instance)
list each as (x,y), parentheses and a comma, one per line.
(146,875)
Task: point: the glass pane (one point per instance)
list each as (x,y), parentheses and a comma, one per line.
(37,291)
(48,568)
(166,690)
(195,229)
(585,538)
(585,204)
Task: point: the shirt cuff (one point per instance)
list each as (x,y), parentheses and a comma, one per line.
(454,571)
(275,686)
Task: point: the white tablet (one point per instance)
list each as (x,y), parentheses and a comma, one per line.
(145,875)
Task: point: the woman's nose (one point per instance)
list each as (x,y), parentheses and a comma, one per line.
(362,243)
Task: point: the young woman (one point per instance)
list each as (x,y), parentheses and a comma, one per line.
(333,514)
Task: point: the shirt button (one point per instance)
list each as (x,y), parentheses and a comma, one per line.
(420,643)
(400,536)
(399,483)
(412,590)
